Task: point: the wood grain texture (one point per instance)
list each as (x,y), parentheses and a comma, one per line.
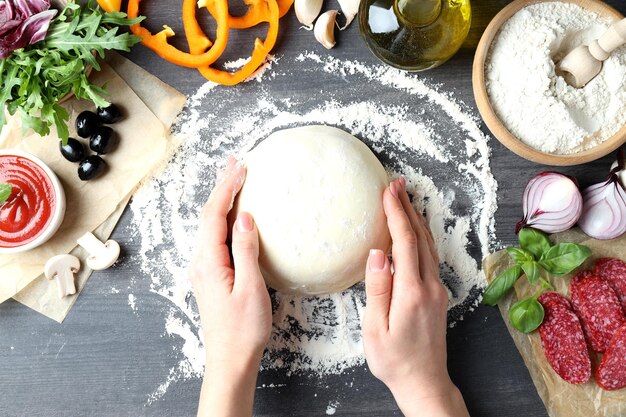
(106,359)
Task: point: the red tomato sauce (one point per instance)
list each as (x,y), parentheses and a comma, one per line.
(28,211)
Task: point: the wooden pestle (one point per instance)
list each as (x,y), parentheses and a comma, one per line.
(585,62)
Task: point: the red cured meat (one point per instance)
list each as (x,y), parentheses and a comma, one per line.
(598,308)
(563,341)
(611,374)
(554,297)
(614,271)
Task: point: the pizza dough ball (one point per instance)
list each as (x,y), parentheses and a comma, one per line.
(315,193)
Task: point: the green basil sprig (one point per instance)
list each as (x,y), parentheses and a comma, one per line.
(534,256)
(5,191)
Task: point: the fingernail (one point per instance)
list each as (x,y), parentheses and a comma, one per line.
(245,222)
(376,260)
(402,182)
(393,187)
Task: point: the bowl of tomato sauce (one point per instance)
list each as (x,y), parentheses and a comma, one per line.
(35,207)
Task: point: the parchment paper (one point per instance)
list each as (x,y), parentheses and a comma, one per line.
(561,398)
(95,205)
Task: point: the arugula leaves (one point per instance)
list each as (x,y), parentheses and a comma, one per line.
(5,192)
(534,256)
(34,79)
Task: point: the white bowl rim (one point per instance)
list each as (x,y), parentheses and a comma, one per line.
(59,210)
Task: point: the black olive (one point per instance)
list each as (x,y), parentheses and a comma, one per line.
(73,150)
(91,167)
(86,124)
(103,140)
(109,114)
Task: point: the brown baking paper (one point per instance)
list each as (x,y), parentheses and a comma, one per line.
(94,205)
(561,398)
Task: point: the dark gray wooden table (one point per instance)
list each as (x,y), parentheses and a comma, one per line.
(106,359)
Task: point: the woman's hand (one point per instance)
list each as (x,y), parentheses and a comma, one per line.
(404,326)
(233,301)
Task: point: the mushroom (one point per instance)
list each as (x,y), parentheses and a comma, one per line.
(63,268)
(101,255)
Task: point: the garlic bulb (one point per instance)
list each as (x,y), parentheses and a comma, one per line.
(349,8)
(621,174)
(325,28)
(307,11)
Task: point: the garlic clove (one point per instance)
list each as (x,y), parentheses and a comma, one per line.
(325,28)
(307,11)
(349,8)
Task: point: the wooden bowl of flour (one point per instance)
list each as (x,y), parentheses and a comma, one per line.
(493,122)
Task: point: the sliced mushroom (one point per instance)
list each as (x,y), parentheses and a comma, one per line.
(63,268)
(101,255)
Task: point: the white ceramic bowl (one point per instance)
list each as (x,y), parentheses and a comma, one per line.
(59,210)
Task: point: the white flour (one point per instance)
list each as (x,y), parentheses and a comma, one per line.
(415,130)
(536,104)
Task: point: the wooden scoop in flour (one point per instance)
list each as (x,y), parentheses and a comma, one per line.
(585,62)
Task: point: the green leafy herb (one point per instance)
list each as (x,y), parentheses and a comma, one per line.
(535,255)
(501,285)
(5,192)
(526,315)
(564,258)
(532,271)
(519,255)
(533,241)
(34,79)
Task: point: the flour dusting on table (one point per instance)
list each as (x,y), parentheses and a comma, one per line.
(415,130)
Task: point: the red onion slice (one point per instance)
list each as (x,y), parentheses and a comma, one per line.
(604,212)
(552,203)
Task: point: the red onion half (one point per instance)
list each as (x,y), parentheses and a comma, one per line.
(552,203)
(604,211)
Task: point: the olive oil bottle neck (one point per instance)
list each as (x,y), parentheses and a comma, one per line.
(418,12)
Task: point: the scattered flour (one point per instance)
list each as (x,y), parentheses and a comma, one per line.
(535,103)
(331,409)
(132,302)
(416,131)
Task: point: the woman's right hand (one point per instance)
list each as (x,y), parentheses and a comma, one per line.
(404,325)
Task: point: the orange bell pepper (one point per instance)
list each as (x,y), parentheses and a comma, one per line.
(258,12)
(260,52)
(158,42)
(110,5)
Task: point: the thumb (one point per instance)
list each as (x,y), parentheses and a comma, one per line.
(245,246)
(378,284)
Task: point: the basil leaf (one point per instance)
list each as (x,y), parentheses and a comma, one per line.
(534,241)
(526,315)
(501,285)
(520,256)
(564,258)
(5,191)
(532,271)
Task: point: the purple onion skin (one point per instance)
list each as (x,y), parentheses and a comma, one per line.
(604,213)
(23,23)
(539,212)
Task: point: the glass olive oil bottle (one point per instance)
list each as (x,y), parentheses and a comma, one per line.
(414,35)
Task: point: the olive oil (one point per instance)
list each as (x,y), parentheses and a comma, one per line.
(414,35)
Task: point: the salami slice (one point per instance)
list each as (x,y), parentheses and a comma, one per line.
(611,374)
(563,341)
(598,308)
(554,297)
(614,271)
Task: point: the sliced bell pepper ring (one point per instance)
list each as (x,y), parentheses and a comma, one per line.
(158,42)
(110,5)
(260,52)
(258,12)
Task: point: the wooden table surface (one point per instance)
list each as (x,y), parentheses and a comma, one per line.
(106,358)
